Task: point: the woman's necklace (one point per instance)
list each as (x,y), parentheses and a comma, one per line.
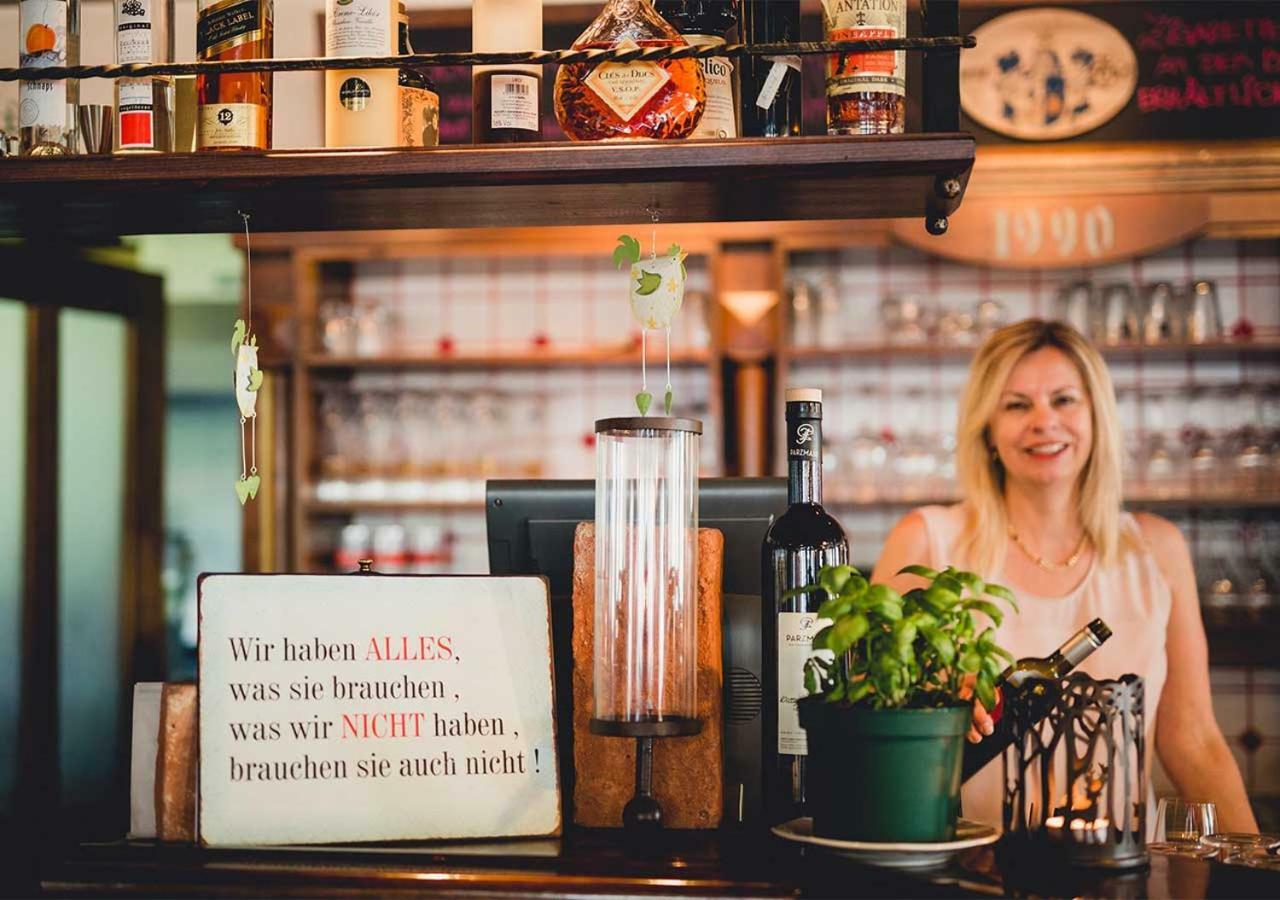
(1044,563)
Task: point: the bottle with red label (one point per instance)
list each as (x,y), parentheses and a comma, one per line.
(144,106)
(866,92)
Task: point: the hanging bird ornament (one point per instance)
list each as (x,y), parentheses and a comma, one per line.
(656,293)
(248,381)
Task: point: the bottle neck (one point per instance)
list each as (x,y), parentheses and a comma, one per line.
(1074,651)
(804,453)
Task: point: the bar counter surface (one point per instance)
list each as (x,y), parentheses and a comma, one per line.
(589,863)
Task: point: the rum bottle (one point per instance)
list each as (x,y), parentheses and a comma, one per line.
(619,101)
(797,545)
(234,111)
(866,92)
(48,35)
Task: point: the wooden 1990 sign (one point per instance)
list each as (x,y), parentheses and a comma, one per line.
(364,708)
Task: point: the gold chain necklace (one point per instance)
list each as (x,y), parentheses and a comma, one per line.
(1042,562)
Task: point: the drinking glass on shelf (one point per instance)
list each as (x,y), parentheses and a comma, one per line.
(988,315)
(804,315)
(1159,314)
(1116,318)
(337,328)
(1180,825)
(1076,305)
(1202,314)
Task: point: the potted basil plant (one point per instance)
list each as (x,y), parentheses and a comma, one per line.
(888,707)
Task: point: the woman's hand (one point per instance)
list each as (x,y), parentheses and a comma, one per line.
(983,724)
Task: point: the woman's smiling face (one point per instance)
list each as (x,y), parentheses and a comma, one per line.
(1043,424)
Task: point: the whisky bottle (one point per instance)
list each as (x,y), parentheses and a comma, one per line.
(506,103)
(620,101)
(48,35)
(866,92)
(419,118)
(797,545)
(234,111)
(771,100)
(361,106)
(704,23)
(144,106)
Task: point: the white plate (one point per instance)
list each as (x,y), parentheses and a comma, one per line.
(898,856)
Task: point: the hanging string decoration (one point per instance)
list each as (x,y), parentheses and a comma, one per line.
(656,293)
(248,382)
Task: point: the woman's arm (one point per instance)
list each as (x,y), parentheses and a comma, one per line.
(1190,744)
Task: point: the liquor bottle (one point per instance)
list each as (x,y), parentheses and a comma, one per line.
(144,106)
(703,23)
(797,545)
(48,35)
(1031,684)
(771,98)
(361,106)
(611,101)
(866,92)
(506,103)
(234,111)
(419,117)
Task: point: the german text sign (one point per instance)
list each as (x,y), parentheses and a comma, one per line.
(367,707)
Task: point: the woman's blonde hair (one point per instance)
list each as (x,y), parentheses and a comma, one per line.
(982,474)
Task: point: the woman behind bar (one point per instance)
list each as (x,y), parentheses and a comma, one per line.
(1038,455)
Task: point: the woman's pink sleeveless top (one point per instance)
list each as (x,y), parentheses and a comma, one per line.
(1132,597)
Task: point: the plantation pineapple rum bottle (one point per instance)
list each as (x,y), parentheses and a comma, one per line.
(361,106)
(866,92)
(234,111)
(703,23)
(621,101)
(48,35)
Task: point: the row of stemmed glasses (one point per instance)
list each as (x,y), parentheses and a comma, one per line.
(1190,828)
(1158,313)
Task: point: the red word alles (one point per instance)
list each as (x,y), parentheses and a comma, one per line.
(406,648)
(1249,91)
(1166,32)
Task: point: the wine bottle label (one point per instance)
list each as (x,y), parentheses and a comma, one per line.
(513,101)
(626,87)
(773,81)
(359,28)
(232,125)
(42,27)
(795,647)
(720,117)
(133,31)
(228,24)
(419,118)
(136,112)
(859,20)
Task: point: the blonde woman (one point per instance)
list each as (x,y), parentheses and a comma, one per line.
(1038,455)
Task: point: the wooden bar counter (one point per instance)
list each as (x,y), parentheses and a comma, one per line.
(592,863)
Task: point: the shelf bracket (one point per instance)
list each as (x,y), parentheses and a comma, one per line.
(941,103)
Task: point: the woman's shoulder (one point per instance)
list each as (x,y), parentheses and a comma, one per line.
(1162,539)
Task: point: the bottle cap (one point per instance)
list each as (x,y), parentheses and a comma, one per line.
(804,395)
(1099,630)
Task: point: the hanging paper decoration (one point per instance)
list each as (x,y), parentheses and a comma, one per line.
(656,293)
(247,382)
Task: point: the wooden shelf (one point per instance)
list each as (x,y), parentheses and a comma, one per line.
(545,184)
(598,358)
(855,353)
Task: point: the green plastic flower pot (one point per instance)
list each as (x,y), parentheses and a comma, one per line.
(884,775)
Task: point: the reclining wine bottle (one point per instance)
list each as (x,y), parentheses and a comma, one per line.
(1031,683)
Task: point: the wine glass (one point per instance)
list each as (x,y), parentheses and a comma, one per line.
(1180,824)
(1236,849)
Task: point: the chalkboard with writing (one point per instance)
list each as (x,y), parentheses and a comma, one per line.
(1205,69)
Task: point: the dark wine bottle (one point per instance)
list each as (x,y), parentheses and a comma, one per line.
(1030,683)
(771,97)
(797,545)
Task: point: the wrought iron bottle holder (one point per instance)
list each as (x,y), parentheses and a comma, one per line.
(1075,786)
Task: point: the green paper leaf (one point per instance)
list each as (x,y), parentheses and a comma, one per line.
(668,401)
(237,336)
(255,380)
(673,250)
(627,252)
(247,488)
(254,482)
(648,283)
(643,401)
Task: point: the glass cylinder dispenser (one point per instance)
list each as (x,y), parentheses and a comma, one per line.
(646,576)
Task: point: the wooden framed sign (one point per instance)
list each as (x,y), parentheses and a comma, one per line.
(375,707)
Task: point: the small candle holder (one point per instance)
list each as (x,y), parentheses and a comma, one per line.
(1075,788)
(646,591)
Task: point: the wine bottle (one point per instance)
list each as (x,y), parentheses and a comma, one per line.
(1031,683)
(771,97)
(797,545)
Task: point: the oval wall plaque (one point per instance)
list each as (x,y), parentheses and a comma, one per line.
(1046,74)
